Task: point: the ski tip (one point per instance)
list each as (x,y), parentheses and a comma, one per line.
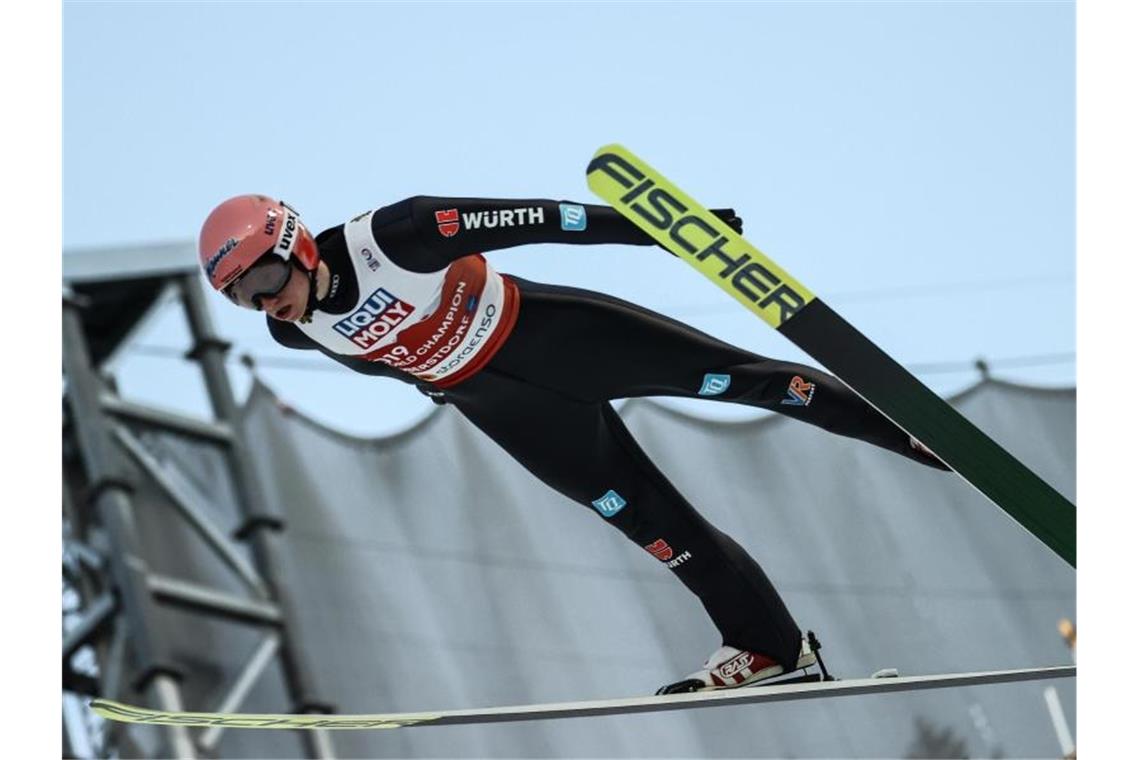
(104,708)
(610,149)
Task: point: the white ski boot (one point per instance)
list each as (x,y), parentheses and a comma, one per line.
(731,668)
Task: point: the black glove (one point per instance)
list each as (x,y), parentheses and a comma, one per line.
(729,217)
(726,215)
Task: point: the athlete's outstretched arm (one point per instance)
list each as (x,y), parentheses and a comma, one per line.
(426,233)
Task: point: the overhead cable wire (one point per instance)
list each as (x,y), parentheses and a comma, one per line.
(919,368)
(904,291)
(871,294)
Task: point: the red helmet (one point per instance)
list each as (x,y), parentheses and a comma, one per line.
(243,229)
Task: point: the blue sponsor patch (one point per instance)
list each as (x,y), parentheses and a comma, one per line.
(714,385)
(610,504)
(573,217)
(472,302)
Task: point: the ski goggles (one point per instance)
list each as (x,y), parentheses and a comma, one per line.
(267,277)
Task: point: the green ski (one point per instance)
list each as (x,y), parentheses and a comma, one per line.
(690,231)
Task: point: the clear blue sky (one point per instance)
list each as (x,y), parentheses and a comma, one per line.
(912,163)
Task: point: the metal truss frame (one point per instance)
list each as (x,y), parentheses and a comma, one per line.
(106,563)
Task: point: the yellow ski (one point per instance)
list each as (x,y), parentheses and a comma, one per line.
(689,230)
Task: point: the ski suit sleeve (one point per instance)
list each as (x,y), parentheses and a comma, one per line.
(427,233)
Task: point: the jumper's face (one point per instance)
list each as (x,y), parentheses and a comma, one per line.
(288,304)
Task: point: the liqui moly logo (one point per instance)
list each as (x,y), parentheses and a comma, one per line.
(450,221)
(380,314)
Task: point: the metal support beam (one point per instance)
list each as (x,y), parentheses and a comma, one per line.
(169,697)
(262,656)
(209,739)
(195,596)
(106,451)
(98,614)
(210,351)
(203,430)
(111,499)
(87,556)
(202,525)
(114,667)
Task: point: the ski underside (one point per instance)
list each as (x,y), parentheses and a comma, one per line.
(780,692)
(695,235)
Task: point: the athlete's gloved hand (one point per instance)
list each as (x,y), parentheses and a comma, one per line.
(729,217)
(726,215)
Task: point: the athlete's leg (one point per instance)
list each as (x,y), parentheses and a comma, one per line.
(597,347)
(583,450)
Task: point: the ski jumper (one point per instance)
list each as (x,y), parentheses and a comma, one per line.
(409,298)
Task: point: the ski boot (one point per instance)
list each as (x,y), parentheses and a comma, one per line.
(731,668)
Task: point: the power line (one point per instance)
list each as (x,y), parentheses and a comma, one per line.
(871,294)
(1009,362)
(918,368)
(867,294)
(280,362)
(906,291)
(973,286)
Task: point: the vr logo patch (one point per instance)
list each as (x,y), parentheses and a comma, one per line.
(800,392)
(714,385)
(609,504)
(573,217)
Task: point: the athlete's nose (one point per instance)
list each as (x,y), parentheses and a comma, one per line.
(277,306)
(270,303)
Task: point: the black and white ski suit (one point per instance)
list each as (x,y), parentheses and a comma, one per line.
(533,384)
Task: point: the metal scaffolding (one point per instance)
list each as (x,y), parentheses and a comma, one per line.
(118,597)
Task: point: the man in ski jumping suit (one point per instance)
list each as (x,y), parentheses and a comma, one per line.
(402,292)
